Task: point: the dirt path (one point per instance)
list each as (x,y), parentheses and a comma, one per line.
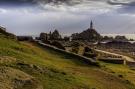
(115,54)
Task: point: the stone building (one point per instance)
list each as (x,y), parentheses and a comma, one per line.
(55,35)
(50,36)
(44,36)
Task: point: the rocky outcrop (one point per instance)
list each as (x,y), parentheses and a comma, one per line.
(90,35)
(87,35)
(15,79)
(50,36)
(7,34)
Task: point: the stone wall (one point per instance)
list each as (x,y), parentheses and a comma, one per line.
(73,55)
(112,60)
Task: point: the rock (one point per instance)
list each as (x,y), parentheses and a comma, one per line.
(15,79)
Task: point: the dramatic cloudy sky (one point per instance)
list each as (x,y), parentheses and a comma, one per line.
(30,17)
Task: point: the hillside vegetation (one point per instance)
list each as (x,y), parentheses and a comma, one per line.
(25,65)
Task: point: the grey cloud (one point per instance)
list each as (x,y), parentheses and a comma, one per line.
(69,2)
(127,10)
(31,2)
(125,6)
(16,2)
(39,19)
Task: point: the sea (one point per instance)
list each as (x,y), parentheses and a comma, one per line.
(129,36)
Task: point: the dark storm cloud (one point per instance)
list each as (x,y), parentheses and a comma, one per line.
(123,3)
(15,1)
(73,2)
(125,6)
(111,2)
(11,3)
(22,2)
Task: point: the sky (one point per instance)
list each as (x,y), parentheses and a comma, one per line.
(31,17)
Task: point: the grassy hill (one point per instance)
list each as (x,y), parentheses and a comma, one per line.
(25,65)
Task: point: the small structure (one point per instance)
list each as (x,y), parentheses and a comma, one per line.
(50,36)
(44,36)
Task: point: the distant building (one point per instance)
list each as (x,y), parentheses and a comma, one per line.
(50,36)
(55,35)
(44,36)
(76,36)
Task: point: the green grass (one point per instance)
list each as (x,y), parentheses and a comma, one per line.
(127,73)
(57,71)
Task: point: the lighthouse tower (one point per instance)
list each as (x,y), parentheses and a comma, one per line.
(91,25)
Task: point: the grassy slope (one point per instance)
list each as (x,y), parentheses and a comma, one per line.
(57,71)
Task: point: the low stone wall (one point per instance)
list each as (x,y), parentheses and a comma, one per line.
(111,60)
(81,58)
(130,64)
